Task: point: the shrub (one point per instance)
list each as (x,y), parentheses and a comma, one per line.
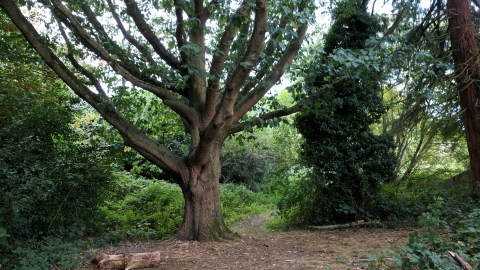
(239,202)
(249,167)
(430,250)
(143,208)
(50,184)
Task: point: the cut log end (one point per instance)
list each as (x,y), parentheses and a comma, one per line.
(125,261)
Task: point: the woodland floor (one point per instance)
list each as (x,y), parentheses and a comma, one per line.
(259,248)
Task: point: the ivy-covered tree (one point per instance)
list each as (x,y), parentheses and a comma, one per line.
(210,62)
(348,162)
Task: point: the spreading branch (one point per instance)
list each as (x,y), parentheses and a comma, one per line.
(126,129)
(257,121)
(272,77)
(268,51)
(180,30)
(142,49)
(233,85)
(150,36)
(218,61)
(93,79)
(208,13)
(167,96)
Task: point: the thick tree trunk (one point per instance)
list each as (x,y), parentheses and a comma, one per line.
(465,55)
(203,220)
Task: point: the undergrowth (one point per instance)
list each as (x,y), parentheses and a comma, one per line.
(430,250)
(146,209)
(137,208)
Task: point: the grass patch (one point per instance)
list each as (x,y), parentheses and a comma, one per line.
(277,223)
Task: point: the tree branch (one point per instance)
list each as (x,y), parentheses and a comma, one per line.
(180,31)
(272,77)
(146,155)
(225,111)
(197,77)
(218,61)
(103,36)
(208,13)
(142,49)
(291,110)
(268,51)
(167,96)
(147,32)
(126,129)
(255,46)
(93,80)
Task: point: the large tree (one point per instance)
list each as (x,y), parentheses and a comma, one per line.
(210,63)
(348,162)
(463,37)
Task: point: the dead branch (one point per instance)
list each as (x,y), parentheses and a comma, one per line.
(346,225)
(460,261)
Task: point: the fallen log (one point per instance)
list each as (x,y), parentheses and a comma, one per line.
(125,261)
(345,225)
(460,261)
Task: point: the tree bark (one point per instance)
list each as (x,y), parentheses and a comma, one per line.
(465,56)
(203,220)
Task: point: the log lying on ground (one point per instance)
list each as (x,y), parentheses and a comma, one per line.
(346,225)
(460,261)
(126,261)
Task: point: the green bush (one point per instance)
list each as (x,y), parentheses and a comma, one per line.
(142,208)
(345,161)
(430,250)
(401,207)
(239,202)
(249,167)
(50,184)
(45,253)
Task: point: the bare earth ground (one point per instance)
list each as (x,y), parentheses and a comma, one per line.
(259,248)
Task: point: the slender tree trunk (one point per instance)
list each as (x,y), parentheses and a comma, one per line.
(465,55)
(203,220)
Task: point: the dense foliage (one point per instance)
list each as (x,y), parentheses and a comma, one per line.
(152,209)
(429,249)
(51,181)
(348,162)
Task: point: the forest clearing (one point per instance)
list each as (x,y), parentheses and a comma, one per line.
(260,248)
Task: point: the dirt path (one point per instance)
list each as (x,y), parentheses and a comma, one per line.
(259,248)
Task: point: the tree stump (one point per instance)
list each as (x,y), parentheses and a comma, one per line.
(126,261)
